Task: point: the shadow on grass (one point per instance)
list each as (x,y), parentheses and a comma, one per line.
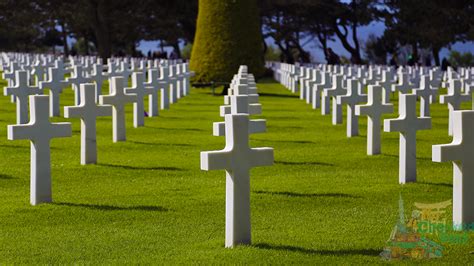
(436,184)
(128,167)
(177,129)
(113,208)
(304,163)
(344,252)
(396,156)
(14,146)
(276,95)
(305,195)
(287,141)
(161,144)
(3,176)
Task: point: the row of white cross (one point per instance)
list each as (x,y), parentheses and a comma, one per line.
(237,158)
(344,85)
(39,130)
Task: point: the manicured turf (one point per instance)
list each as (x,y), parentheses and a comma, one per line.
(147,201)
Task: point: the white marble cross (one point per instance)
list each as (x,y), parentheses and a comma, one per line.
(125,72)
(165,87)
(403,85)
(352,98)
(318,89)
(386,83)
(39,71)
(316,79)
(154,86)
(374,109)
(141,91)
(426,93)
(336,90)
(118,99)
(461,153)
(40,131)
(242,89)
(98,76)
(454,98)
(173,81)
(187,78)
(55,84)
(237,158)
(22,90)
(239,104)
(88,111)
(407,124)
(76,80)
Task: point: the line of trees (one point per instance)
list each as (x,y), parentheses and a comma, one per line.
(117,26)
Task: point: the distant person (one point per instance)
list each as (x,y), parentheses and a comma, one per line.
(393,61)
(333,58)
(445,64)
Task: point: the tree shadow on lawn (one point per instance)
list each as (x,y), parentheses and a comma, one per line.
(306,195)
(265,94)
(128,167)
(161,144)
(343,252)
(304,163)
(112,207)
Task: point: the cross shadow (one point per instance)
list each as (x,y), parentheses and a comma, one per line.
(396,156)
(287,141)
(160,144)
(436,184)
(128,167)
(14,146)
(344,252)
(3,176)
(177,129)
(304,163)
(288,127)
(112,207)
(264,94)
(306,195)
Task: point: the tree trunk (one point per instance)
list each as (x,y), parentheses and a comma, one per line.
(100,27)
(355,54)
(436,56)
(176,49)
(64,36)
(414,47)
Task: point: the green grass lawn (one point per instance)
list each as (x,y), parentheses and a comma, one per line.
(147,201)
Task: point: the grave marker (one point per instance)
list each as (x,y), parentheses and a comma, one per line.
(40,131)
(407,124)
(88,111)
(374,109)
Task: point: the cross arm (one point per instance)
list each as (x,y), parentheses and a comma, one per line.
(446,152)
(216,160)
(261,157)
(255,126)
(16,132)
(61,130)
(73,111)
(394,125)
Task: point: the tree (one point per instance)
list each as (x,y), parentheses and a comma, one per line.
(228,35)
